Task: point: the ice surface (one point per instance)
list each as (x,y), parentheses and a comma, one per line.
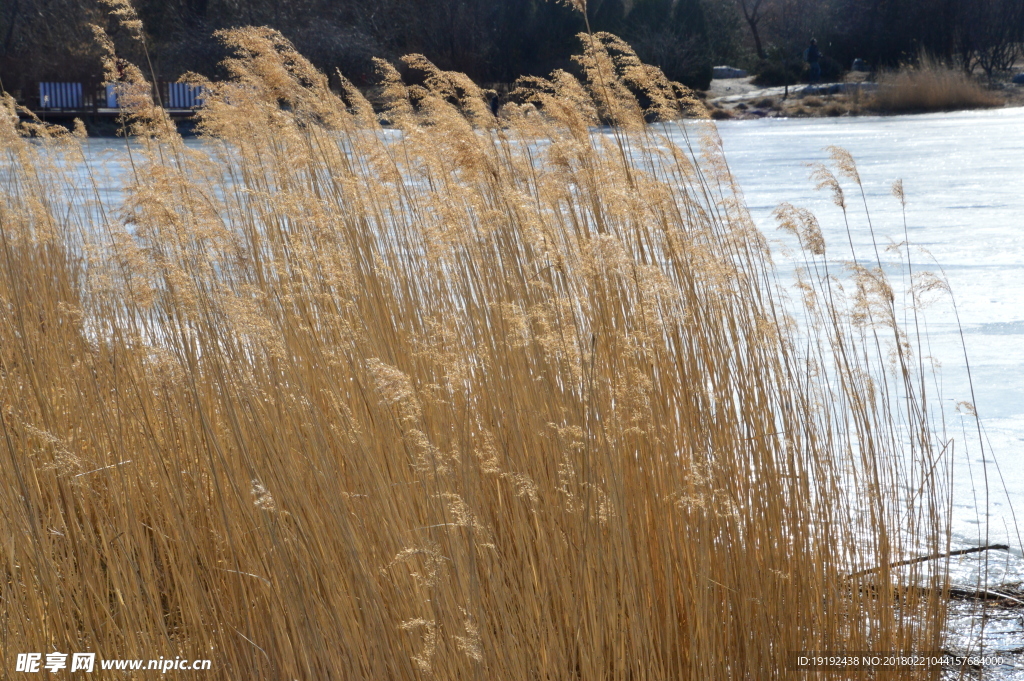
(963,175)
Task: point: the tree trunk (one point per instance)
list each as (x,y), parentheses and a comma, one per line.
(753,17)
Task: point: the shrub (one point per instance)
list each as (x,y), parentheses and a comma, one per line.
(784,69)
(831,70)
(775,73)
(834,109)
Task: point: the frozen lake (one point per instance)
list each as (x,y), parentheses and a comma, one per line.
(963,175)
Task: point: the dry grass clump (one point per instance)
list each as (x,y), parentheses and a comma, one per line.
(930,86)
(834,109)
(460,398)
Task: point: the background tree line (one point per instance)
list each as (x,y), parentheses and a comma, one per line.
(498,40)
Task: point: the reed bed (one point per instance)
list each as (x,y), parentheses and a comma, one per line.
(462,397)
(931,85)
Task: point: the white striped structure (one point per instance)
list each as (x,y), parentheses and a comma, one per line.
(183,96)
(60,95)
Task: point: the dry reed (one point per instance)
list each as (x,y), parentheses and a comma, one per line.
(458,398)
(930,85)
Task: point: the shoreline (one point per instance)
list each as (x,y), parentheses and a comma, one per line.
(740,99)
(734,99)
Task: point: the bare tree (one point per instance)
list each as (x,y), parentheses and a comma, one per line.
(992,35)
(753,14)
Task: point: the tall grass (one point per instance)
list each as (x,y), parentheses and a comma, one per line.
(456,398)
(930,85)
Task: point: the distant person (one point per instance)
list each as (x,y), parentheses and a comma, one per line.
(812,55)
